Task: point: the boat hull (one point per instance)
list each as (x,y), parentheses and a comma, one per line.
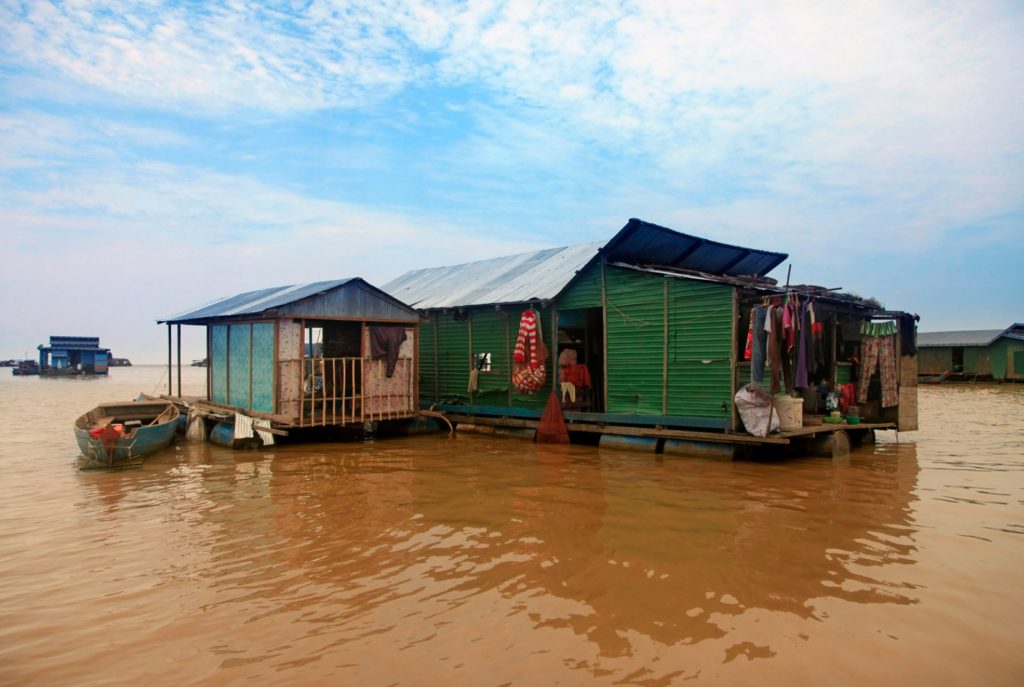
(130,448)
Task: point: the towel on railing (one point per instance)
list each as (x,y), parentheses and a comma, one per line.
(385,342)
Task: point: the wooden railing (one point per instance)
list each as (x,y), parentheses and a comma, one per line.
(331,391)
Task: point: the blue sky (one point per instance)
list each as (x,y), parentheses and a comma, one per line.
(157,155)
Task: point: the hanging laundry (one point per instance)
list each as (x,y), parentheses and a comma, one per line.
(386,342)
(758,344)
(526,342)
(880,350)
(800,376)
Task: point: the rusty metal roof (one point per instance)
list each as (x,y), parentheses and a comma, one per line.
(542,275)
(349,298)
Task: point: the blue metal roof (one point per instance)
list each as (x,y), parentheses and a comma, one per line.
(542,275)
(973,337)
(643,243)
(317,299)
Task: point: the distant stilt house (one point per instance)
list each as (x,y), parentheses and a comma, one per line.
(645,338)
(73,355)
(982,354)
(327,354)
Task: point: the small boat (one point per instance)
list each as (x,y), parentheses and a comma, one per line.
(26,367)
(933,379)
(123,434)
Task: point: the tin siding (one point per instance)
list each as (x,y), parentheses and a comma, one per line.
(585,293)
(453,354)
(489,337)
(700,349)
(219,364)
(239,366)
(263,367)
(428,376)
(636,341)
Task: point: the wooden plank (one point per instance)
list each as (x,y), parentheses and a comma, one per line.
(620,430)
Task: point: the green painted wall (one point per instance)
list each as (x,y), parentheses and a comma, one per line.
(492,332)
(699,342)
(453,358)
(585,292)
(998,360)
(1008,359)
(700,321)
(700,349)
(428,376)
(934,361)
(635,329)
(978,360)
(489,327)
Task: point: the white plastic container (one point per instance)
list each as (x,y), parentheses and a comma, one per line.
(791,412)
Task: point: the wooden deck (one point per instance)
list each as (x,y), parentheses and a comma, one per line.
(778,439)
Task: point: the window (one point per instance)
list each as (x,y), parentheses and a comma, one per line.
(482,362)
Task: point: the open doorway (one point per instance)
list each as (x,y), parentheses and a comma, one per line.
(581,360)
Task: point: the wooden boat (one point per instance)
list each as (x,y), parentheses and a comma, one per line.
(26,367)
(933,379)
(123,434)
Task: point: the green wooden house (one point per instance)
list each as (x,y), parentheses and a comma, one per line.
(657,318)
(996,354)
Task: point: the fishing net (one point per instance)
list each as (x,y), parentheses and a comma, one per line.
(551,429)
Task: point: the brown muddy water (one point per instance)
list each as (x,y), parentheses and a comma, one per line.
(482,561)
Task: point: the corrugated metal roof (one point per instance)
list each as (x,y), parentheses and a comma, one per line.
(976,337)
(540,275)
(643,243)
(351,297)
(543,274)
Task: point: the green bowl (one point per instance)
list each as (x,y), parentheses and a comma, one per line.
(852,420)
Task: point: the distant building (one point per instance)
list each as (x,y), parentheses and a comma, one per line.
(996,354)
(73,355)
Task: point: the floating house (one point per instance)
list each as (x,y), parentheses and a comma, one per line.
(327,354)
(73,355)
(982,354)
(643,340)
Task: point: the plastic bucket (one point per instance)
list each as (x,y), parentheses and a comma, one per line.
(791,412)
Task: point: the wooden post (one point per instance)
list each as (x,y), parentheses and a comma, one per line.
(170,380)
(249,407)
(179,360)
(302,365)
(209,362)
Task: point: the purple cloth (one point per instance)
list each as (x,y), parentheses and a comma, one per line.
(800,381)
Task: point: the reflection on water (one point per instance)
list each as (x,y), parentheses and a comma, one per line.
(483,561)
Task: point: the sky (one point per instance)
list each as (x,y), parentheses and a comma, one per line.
(156,156)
